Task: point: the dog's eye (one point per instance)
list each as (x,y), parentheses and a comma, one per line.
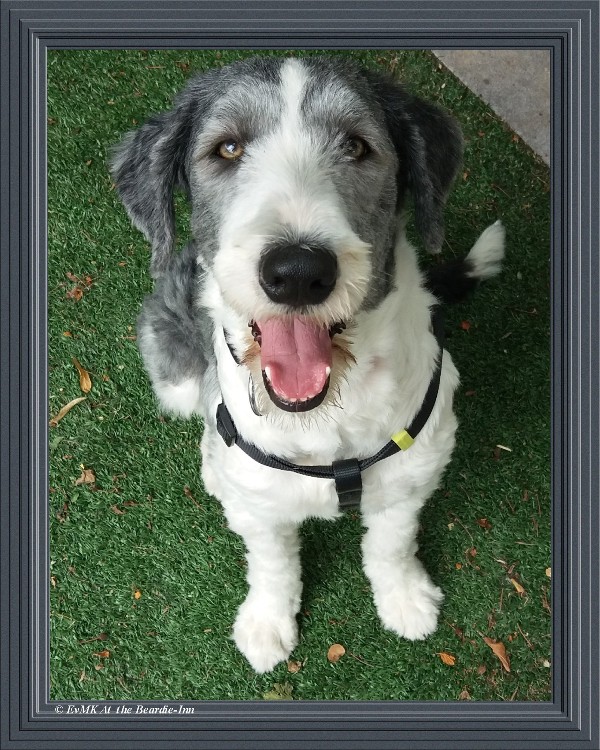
(355,148)
(230,149)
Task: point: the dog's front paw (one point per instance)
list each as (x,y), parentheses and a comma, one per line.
(265,638)
(410,606)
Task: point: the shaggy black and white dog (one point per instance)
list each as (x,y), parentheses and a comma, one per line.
(300,307)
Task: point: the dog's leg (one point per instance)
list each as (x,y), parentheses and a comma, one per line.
(265,630)
(406,599)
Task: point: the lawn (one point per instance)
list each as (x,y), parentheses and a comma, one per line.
(145,576)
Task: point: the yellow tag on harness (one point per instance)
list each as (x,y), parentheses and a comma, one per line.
(403,440)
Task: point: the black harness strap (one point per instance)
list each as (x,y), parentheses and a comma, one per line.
(346,473)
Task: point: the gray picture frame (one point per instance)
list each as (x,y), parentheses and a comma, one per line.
(570,31)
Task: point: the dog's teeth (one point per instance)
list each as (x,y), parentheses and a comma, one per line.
(327,370)
(268,373)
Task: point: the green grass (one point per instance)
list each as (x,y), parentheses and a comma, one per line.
(137,529)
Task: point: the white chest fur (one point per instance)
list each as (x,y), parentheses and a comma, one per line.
(395,356)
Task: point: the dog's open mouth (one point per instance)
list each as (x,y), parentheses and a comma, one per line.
(295,359)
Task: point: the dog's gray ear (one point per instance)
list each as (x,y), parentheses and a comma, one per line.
(147,166)
(429,145)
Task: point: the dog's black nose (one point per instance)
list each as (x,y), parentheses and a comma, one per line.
(298,275)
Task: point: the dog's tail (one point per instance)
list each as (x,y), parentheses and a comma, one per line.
(454,280)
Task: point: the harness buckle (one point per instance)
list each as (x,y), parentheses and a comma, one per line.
(348,482)
(225,426)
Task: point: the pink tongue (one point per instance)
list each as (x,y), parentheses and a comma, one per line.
(296,352)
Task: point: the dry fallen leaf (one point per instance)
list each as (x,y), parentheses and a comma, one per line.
(62,514)
(517,585)
(549,572)
(85,382)
(87,477)
(117,510)
(294,666)
(65,410)
(75,294)
(335,653)
(137,594)
(464,696)
(481,669)
(500,651)
(447,658)
(465,325)
(545,602)
(103,654)
(81,286)
(484,523)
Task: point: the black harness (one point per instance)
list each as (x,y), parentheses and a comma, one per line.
(347,472)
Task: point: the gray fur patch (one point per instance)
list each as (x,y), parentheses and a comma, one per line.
(174,332)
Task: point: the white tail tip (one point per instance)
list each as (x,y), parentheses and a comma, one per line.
(487,253)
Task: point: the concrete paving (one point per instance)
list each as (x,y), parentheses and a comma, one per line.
(515,84)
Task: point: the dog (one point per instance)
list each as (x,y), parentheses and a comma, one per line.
(297,322)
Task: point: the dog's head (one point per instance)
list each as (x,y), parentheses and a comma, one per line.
(297,172)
